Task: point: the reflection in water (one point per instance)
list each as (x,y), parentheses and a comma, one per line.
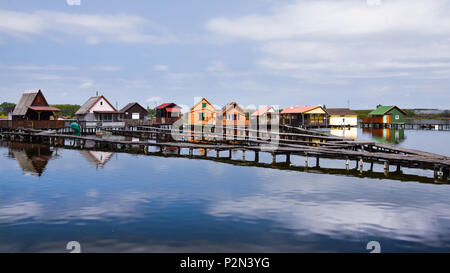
(163,203)
(32,158)
(386,135)
(351,132)
(98,158)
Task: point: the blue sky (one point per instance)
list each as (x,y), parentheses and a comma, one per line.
(255,52)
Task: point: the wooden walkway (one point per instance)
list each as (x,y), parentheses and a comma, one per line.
(362,152)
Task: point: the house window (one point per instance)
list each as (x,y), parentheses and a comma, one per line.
(203,104)
(397,116)
(201,116)
(101,103)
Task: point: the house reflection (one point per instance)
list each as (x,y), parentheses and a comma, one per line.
(351,132)
(32,158)
(98,158)
(386,135)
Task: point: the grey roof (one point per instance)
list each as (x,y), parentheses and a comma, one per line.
(87,105)
(25,101)
(129,105)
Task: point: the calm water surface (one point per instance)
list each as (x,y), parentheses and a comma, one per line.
(118,202)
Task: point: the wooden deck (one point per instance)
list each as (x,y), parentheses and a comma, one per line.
(362,152)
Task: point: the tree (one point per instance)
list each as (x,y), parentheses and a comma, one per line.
(151,112)
(67,110)
(6,107)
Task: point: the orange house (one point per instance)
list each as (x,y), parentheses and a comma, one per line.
(202,113)
(232,115)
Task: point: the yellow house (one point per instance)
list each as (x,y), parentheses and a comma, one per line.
(202,113)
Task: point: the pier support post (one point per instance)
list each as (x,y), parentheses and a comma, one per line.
(145,149)
(361,165)
(386,168)
(190,152)
(217,153)
(256,156)
(229,153)
(398,168)
(243,155)
(306,160)
(347,164)
(288,158)
(274,158)
(445,174)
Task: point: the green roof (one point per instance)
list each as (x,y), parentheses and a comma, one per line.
(381,110)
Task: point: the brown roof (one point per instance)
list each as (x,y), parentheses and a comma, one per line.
(25,101)
(129,105)
(341,111)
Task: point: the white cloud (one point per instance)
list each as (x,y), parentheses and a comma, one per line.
(160,67)
(86,84)
(324,18)
(42,67)
(90,28)
(107,68)
(216,66)
(154,99)
(321,40)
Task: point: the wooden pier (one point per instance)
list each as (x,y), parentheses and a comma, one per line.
(363,153)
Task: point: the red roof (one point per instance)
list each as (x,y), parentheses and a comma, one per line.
(44,108)
(261,111)
(173,110)
(164,105)
(297,109)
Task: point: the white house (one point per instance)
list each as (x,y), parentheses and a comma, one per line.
(342,117)
(99,112)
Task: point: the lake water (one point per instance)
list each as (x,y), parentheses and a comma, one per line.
(119,202)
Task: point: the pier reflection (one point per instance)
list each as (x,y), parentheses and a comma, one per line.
(32,158)
(97,158)
(386,135)
(351,132)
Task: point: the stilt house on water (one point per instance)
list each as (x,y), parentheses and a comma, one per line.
(342,117)
(33,111)
(98,112)
(386,116)
(304,116)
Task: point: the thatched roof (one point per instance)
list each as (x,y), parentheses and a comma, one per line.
(25,101)
(340,112)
